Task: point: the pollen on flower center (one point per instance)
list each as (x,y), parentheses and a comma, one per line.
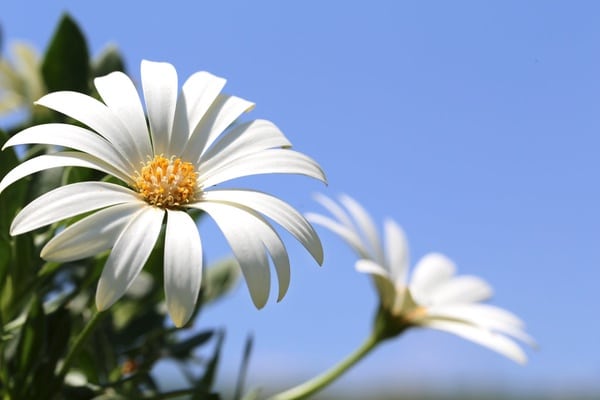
(166,182)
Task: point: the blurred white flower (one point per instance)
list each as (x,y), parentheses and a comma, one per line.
(168,168)
(21,82)
(433,297)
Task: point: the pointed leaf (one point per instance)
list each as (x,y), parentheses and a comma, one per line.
(30,349)
(66,65)
(185,348)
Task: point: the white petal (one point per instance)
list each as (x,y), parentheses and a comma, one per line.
(222,113)
(183,266)
(491,340)
(242,140)
(265,233)
(72,136)
(365,226)
(371,267)
(278,210)
(128,256)
(197,94)
(68,201)
(338,212)
(64,159)
(396,248)
(485,316)
(96,115)
(348,235)
(430,271)
(381,277)
(248,236)
(120,95)
(476,312)
(273,161)
(159,81)
(461,289)
(91,235)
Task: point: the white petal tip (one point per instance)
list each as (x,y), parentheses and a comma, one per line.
(179,317)
(258,305)
(104,298)
(180,314)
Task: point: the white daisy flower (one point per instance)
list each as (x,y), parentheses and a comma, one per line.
(21,82)
(433,297)
(189,147)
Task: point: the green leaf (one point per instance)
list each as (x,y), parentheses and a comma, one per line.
(12,197)
(30,349)
(5,251)
(244,367)
(58,331)
(66,65)
(205,383)
(220,279)
(109,60)
(184,348)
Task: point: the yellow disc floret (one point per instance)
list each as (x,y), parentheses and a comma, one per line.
(167,183)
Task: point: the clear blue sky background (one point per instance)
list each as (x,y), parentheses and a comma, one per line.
(476,125)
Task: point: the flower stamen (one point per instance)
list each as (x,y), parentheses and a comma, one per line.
(167,183)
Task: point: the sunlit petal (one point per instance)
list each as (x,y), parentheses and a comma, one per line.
(129,254)
(396,251)
(159,81)
(76,138)
(68,201)
(223,112)
(485,316)
(273,161)
(91,235)
(279,211)
(242,140)
(120,95)
(63,159)
(336,210)
(383,282)
(248,236)
(461,289)
(365,225)
(197,94)
(348,235)
(432,270)
(183,266)
(491,340)
(96,115)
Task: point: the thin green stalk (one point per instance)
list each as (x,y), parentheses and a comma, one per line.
(319,382)
(79,342)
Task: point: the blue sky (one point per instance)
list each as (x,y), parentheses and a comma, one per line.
(475,126)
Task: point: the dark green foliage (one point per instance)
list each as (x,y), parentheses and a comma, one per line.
(66,65)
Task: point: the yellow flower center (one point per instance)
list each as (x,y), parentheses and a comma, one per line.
(415,314)
(167,183)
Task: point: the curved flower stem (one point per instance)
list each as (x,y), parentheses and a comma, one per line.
(319,382)
(79,341)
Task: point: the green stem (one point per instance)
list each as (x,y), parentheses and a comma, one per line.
(79,341)
(319,382)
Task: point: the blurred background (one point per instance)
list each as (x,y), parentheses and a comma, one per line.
(475,125)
